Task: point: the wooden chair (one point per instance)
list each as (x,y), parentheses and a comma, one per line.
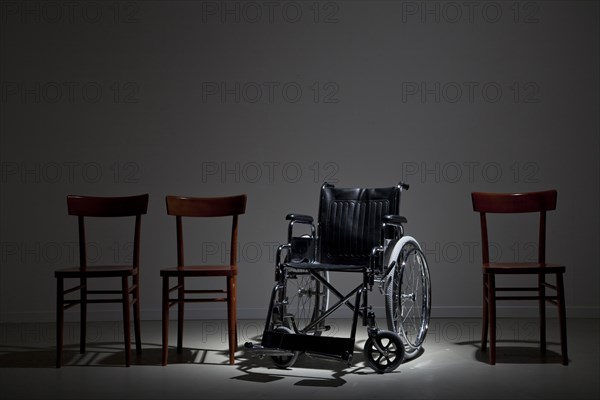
(538,202)
(181,207)
(128,293)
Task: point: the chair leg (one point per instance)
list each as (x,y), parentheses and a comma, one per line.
(60,319)
(562,318)
(231,318)
(83,316)
(235,331)
(492,317)
(126,319)
(180,313)
(165,319)
(136,315)
(542,305)
(485,309)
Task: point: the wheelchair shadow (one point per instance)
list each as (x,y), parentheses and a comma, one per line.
(521,352)
(327,372)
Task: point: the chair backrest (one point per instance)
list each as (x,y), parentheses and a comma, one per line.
(205,207)
(350,222)
(108,207)
(513,203)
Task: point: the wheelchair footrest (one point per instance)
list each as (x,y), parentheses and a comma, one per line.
(330,346)
(262,351)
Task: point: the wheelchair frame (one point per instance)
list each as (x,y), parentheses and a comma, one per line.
(285,336)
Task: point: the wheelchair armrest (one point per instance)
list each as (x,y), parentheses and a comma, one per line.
(307,219)
(395,220)
(306,246)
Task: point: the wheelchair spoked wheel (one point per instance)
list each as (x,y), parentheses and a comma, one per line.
(384,351)
(408,295)
(285,361)
(307,300)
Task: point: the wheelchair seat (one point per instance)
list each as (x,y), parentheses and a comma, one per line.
(316,266)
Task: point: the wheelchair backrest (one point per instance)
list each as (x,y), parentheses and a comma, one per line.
(350,222)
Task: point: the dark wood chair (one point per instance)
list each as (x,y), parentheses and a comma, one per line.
(534,202)
(128,294)
(201,207)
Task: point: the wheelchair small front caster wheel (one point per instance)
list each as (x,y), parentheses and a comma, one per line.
(384,351)
(284,361)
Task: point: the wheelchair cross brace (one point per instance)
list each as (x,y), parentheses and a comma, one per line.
(284,343)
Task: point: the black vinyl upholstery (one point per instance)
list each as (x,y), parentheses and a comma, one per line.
(350,225)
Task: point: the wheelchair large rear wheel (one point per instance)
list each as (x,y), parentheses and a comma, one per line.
(408,295)
(307,299)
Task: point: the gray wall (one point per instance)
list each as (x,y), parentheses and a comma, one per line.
(271,99)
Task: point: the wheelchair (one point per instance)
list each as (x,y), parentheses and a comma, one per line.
(359,231)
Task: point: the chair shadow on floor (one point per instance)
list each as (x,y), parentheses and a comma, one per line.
(106,355)
(27,357)
(521,352)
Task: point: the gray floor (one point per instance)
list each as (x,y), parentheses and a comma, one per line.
(451,366)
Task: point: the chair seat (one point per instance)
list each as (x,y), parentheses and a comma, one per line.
(200,270)
(96,271)
(522,268)
(325,267)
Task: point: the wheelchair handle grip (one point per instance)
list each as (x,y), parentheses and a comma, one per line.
(394,219)
(300,218)
(404,185)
